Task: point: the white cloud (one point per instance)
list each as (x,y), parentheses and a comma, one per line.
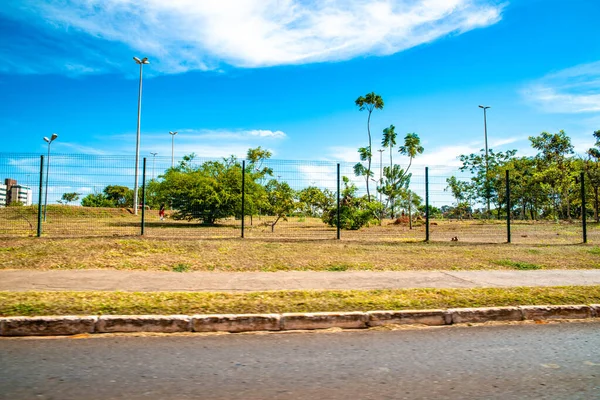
(220,134)
(181,35)
(572,90)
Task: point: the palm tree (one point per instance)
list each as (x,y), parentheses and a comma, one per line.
(369,102)
(389,139)
(412,147)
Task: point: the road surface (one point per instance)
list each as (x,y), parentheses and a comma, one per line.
(553,361)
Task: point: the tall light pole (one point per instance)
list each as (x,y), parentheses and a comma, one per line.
(172,148)
(137,142)
(487,186)
(153,159)
(49,141)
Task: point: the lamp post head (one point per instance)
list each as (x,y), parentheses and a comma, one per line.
(142,61)
(153,154)
(173,133)
(484,107)
(52,138)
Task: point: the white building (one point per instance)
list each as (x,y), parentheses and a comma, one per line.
(21,194)
(3,195)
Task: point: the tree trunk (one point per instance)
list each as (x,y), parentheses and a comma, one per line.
(370,153)
(596,203)
(273,224)
(568,205)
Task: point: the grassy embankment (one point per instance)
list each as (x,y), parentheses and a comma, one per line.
(122,303)
(237,255)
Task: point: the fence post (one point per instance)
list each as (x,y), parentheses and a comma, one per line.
(427,204)
(39,221)
(243,195)
(338,202)
(143,195)
(583,208)
(508,206)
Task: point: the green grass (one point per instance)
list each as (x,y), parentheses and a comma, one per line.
(96,303)
(519,265)
(181,267)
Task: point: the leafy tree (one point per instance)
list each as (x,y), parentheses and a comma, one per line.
(97,200)
(411,148)
(592,170)
(206,192)
(281,200)
(69,198)
(463,192)
(434,212)
(121,196)
(554,166)
(527,191)
(256,173)
(371,101)
(314,201)
(256,158)
(396,179)
(486,183)
(355,212)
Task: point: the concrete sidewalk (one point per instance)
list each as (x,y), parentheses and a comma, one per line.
(141,281)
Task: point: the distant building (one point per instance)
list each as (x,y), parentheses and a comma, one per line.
(3,195)
(11,192)
(21,194)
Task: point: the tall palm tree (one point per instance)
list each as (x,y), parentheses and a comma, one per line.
(369,102)
(412,147)
(389,139)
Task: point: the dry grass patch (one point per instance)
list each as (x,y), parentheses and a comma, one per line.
(138,253)
(96,303)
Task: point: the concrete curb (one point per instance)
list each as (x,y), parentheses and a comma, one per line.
(72,325)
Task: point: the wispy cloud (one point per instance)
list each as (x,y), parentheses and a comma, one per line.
(220,134)
(182,35)
(572,90)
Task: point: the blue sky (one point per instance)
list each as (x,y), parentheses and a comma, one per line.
(284,74)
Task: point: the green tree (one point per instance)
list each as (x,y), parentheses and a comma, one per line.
(256,158)
(355,212)
(464,193)
(281,200)
(371,101)
(256,174)
(554,166)
(206,192)
(314,201)
(411,148)
(121,196)
(396,179)
(389,140)
(69,198)
(97,200)
(484,181)
(592,170)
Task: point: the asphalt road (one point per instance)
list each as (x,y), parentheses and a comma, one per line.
(554,361)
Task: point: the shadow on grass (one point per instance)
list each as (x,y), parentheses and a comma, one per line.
(177,225)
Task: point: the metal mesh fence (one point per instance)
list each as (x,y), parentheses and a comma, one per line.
(92,195)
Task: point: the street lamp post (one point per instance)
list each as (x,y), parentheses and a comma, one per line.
(487,186)
(137,142)
(49,141)
(172,148)
(153,159)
